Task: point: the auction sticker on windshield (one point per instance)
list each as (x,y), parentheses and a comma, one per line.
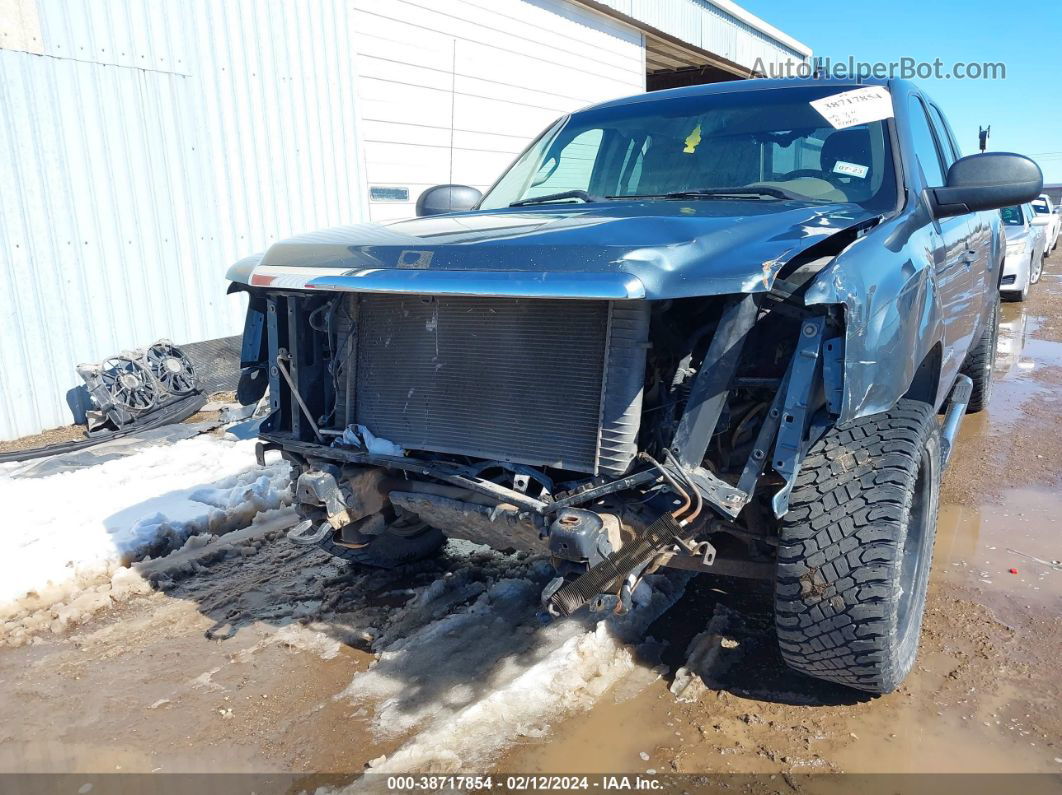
(859,106)
(850,169)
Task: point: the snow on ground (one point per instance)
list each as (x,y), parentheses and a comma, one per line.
(465,668)
(69,529)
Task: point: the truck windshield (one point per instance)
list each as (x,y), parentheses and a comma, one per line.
(672,147)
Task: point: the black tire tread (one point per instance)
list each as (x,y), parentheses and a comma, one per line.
(840,547)
(979,362)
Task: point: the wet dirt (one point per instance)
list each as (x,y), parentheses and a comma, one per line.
(257,655)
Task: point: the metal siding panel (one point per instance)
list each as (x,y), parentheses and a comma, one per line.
(131,33)
(137,166)
(453,90)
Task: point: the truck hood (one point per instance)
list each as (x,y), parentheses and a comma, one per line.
(615,250)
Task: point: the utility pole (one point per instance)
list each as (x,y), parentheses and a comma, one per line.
(982,135)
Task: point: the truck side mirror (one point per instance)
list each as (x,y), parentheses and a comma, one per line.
(987,181)
(447,199)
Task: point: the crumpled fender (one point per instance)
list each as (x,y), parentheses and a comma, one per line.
(893,315)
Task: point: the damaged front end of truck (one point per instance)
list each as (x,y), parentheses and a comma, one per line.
(649,409)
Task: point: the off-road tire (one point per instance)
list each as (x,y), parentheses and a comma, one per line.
(980,361)
(389,549)
(855,549)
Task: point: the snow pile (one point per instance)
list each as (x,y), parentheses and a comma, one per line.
(480,671)
(72,529)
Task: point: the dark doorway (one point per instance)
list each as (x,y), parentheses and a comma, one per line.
(689,76)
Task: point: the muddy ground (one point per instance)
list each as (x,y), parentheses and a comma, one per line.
(250,654)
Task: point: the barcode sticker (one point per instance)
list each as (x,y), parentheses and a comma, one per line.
(859,106)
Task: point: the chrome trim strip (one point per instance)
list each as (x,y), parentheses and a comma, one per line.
(615,286)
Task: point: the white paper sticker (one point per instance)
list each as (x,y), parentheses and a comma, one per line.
(850,169)
(858,106)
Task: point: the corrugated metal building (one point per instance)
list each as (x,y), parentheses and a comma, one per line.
(146,144)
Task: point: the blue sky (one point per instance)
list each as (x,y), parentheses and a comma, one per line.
(1025,109)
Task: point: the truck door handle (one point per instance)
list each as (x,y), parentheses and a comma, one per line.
(970,257)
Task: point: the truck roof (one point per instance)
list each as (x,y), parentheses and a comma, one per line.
(736,86)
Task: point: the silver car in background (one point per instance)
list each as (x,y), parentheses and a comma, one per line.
(1048,219)
(1026,249)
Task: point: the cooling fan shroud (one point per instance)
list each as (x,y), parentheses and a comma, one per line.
(129,388)
(172,368)
(129,384)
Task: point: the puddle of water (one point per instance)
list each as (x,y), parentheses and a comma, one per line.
(903,733)
(608,739)
(1021,362)
(1034,354)
(971,738)
(981,545)
(1014,329)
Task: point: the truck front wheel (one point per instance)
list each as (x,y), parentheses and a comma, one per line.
(855,549)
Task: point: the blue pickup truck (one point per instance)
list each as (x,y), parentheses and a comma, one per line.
(729,328)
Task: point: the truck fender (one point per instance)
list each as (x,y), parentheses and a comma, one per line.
(893,319)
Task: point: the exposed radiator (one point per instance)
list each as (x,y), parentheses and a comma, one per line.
(539,382)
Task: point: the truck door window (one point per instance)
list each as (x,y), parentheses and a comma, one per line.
(925,145)
(940,127)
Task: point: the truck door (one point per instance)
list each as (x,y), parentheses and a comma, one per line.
(961,292)
(984,272)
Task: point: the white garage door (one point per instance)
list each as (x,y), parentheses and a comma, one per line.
(453,90)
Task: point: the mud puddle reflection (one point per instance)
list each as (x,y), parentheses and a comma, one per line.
(1011,549)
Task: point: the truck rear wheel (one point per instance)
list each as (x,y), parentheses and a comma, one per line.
(855,550)
(980,361)
(404,541)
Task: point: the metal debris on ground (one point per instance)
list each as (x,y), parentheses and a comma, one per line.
(132,391)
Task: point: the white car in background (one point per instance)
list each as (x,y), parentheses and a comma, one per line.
(1026,248)
(1048,219)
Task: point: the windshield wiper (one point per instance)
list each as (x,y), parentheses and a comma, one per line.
(722,193)
(552,197)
